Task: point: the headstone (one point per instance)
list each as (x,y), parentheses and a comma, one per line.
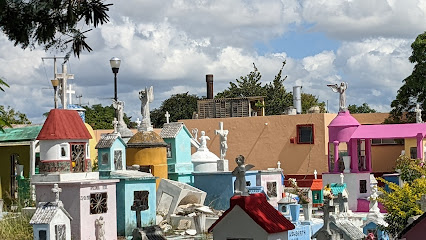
(240,174)
(184,224)
(342,91)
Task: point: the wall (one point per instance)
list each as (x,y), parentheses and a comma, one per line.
(61,218)
(24,159)
(149,156)
(272,177)
(384,157)
(412,142)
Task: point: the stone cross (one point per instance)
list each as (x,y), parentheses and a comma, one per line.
(223,140)
(341,201)
(167,115)
(63,77)
(115,124)
(56,190)
(341,90)
(279,164)
(138,122)
(342,177)
(315,173)
(326,209)
(422,203)
(70,92)
(418,114)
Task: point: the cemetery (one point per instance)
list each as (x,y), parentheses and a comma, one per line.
(206,178)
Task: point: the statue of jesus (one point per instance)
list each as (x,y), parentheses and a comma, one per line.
(341,90)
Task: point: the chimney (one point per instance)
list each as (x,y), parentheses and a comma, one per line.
(209,80)
(297,99)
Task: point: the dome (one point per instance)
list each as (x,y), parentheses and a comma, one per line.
(344,119)
(146,139)
(204,156)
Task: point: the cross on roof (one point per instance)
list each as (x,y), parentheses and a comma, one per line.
(115,124)
(315,173)
(341,200)
(138,122)
(63,77)
(167,115)
(70,92)
(56,190)
(342,177)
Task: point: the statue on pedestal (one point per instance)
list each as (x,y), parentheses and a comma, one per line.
(240,174)
(146,96)
(341,90)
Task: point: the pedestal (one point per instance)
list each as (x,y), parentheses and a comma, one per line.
(307,211)
(222,165)
(347,161)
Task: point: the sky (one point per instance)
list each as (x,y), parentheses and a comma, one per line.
(172,44)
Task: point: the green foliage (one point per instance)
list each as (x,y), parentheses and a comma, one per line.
(401,202)
(10,116)
(100,117)
(179,106)
(277,99)
(364,108)
(3,121)
(54,24)
(413,90)
(16,227)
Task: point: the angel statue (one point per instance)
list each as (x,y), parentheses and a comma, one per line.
(146,96)
(341,90)
(240,174)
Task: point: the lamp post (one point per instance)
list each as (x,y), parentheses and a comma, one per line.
(115,65)
(55,83)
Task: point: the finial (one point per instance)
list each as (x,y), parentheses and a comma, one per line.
(315,173)
(279,164)
(56,190)
(115,124)
(138,123)
(167,115)
(342,178)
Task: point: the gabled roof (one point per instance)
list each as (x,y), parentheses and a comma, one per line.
(46,211)
(349,229)
(17,134)
(337,188)
(411,226)
(63,124)
(263,213)
(171,130)
(316,184)
(108,140)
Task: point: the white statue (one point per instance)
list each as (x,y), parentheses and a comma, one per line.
(223,140)
(240,174)
(418,114)
(373,200)
(119,107)
(100,228)
(203,141)
(341,90)
(146,96)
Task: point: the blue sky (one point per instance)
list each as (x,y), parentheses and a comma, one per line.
(172,44)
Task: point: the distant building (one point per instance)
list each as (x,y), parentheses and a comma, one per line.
(231,107)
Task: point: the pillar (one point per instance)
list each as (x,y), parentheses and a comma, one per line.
(420,146)
(336,156)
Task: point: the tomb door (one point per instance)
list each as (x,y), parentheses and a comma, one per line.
(118,160)
(60,232)
(78,156)
(14,162)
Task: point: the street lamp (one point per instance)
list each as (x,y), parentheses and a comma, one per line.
(55,84)
(115,65)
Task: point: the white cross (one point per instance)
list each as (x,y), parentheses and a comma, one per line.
(279,164)
(63,77)
(138,122)
(167,115)
(56,190)
(315,173)
(70,92)
(115,123)
(341,178)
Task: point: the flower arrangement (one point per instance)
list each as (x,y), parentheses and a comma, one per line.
(303,199)
(327,192)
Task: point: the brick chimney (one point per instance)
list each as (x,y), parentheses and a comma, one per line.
(209,81)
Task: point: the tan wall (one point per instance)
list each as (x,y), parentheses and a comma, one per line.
(384,157)
(264,145)
(412,142)
(370,118)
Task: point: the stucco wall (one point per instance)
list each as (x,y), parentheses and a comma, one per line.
(384,157)
(24,159)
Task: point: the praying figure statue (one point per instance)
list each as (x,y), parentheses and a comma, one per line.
(373,200)
(119,107)
(146,96)
(240,174)
(203,141)
(418,114)
(100,228)
(341,90)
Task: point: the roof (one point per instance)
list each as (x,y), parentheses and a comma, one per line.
(63,124)
(337,188)
(408,228)
(146,139)
(349,229)
(108,140)
(316,184)
(235,98)
(407,130)
(27,133)
(171,130)
(46,211)
(263,213)
(344,119)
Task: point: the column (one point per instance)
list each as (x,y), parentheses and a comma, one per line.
(336,156)
(353,146)
(420,146)
(368,155)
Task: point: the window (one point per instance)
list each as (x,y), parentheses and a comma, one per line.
(42,235)
(305,134)
(140,201)
(105,158)
(316,196)
(362,186)
(413,152)
(384,141)
(271,189)
(60,232)
(64,151)
(78,157)
(331,156)
(118,160)
(169,150)
(98,203)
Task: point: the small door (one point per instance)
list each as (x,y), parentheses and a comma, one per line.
(78,156)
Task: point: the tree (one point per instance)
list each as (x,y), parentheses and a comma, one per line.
(54,24)
(413,91)
(100,117)
(179,106)
(364,108)
(13,117)
(309,100)
(401,202)
(3,121)
(277,99)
